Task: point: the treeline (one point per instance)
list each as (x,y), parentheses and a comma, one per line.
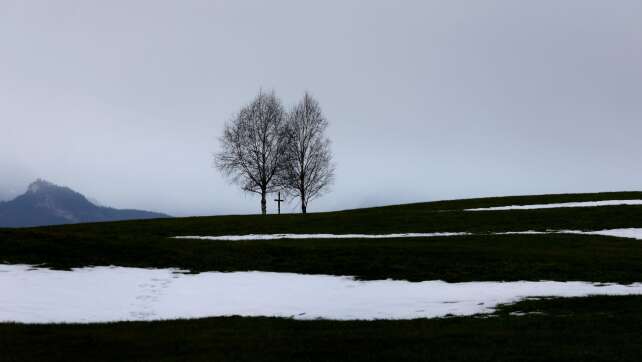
(266,148)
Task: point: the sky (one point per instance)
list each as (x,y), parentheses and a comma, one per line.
(124,101)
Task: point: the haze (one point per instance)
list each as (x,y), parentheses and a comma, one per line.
(124,100)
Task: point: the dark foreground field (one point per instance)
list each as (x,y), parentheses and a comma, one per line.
(599,328)
(576,329)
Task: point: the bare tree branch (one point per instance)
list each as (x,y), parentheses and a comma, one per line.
(253,145)
(307,170)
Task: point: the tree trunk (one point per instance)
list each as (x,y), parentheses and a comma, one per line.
(263,203)
(303,205)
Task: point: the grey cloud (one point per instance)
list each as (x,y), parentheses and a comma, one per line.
(124,100)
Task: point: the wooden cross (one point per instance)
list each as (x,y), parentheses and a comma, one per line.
(278,201)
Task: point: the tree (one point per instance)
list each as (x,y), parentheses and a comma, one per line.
(253,145)
(307,169)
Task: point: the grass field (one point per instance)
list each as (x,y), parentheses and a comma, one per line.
(463,258)
(599,328)
(576,329)
(455,259)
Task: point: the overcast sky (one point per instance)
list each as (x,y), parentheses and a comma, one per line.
(124,100)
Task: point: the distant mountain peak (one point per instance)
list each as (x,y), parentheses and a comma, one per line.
(46,203)
(40,185)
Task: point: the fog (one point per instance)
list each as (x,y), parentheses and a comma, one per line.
(124,101)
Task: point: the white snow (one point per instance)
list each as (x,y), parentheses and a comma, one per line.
(634,233)
(631,233)
(102,294)
(566,204)
(317,236)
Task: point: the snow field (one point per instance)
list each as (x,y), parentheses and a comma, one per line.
(105,294)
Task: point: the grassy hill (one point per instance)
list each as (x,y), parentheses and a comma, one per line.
(598,328)
(147,243)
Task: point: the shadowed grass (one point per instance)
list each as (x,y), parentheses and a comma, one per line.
(596,329)
(147,243)
(574,329)
(458,258)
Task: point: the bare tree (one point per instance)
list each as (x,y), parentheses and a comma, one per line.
(307,169)
(253,146)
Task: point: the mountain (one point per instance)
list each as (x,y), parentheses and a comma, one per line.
(47,204)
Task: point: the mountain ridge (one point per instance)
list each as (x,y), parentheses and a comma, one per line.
(45,203)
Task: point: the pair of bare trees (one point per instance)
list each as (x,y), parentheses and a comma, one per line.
(266,149)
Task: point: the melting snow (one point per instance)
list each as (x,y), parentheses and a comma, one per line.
(566,204)
(631,233)
(634,233)
(317,236)
(101,294)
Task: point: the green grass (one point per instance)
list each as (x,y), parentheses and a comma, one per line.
(576,329)
(480,257)
(520,200)
(596,329)
(462,258)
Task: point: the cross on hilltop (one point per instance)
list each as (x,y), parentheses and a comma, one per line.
(278,202)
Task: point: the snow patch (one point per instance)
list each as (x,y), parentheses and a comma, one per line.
(103,294)
(317,236)
(633,233)
(565,204)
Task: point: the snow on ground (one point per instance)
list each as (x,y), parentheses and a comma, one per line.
(101,294)
(566,204)
(631,233)
(634,233)
(317,236)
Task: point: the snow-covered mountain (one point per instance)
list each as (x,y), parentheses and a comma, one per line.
(47,204)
